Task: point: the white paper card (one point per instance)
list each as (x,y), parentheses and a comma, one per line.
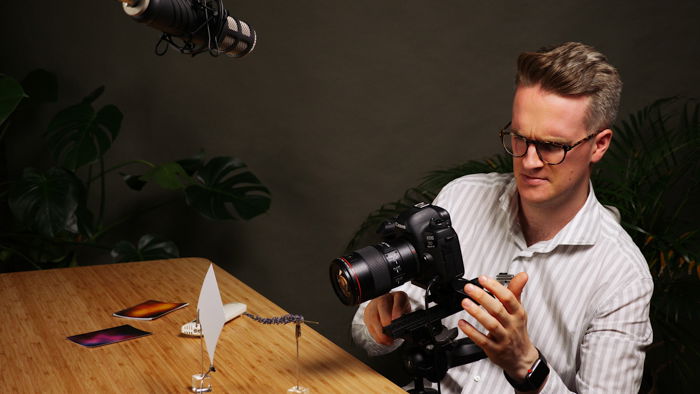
(211,312)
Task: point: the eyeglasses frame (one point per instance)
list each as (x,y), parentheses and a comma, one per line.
(529,142)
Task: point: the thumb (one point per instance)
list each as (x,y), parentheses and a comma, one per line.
(517,284)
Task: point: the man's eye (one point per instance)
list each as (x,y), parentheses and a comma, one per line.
(548,147)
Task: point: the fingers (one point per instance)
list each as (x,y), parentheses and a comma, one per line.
(483,316)
(384,307)
(472,333)
(374,325)
(392,306)
(400,306)
(381,311)
(506,300)
(494,305)
(502,311)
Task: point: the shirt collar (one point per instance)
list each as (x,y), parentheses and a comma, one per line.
(583,229)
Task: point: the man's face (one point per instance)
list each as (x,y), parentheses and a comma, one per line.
(545,116)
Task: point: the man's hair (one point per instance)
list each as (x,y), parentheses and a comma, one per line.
(575,69)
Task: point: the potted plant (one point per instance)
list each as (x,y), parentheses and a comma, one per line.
(49,220)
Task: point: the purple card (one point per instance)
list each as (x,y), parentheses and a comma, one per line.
(108,335)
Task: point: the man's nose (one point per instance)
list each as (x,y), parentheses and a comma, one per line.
(531,158)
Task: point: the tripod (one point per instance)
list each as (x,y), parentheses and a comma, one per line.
(430,349)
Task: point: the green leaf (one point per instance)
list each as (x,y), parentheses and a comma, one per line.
(47,203)
(168,176)
(78,136)
(150,247)
(225,183)
(11,93)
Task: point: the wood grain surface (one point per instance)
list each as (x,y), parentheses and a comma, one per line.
(39,309)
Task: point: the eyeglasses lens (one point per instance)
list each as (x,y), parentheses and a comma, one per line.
(517,146)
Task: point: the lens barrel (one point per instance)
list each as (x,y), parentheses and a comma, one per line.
(373,270)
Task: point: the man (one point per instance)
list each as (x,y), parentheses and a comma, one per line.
(575,316)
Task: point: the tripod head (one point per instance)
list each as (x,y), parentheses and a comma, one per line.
(430,349)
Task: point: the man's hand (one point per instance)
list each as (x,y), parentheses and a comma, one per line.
(381,311)
(507,343)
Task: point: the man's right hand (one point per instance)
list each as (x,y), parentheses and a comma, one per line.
(381,311)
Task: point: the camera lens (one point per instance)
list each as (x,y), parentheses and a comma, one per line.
(373,270)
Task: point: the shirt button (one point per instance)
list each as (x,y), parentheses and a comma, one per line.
(477,378)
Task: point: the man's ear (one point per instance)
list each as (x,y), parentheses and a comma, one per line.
(602,143)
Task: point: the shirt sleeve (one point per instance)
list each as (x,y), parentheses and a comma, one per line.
(362,337)
(613,348)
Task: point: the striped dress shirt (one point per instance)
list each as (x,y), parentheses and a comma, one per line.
(587,297)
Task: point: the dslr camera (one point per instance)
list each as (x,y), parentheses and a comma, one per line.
(421,246)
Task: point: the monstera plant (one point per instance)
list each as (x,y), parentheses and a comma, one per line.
(49,214)
(652,175)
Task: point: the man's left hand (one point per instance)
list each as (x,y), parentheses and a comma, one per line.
(507,343)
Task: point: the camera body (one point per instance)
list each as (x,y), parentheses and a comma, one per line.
(419,245)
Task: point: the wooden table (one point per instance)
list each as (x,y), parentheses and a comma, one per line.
(39,309)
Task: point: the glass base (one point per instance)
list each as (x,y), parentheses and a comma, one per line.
(201,383)
(298,390)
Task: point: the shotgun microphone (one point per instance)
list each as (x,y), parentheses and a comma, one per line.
(200,25)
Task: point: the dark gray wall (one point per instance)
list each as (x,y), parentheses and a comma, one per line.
(342,106)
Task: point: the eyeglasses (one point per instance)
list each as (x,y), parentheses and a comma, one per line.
(552,153)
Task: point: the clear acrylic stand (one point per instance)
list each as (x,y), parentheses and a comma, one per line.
(201,382)
(297,389)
